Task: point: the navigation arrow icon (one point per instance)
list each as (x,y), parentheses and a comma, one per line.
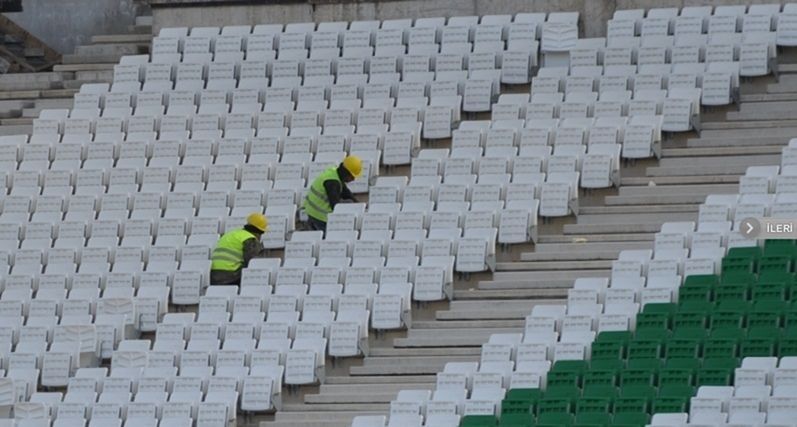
(750,228)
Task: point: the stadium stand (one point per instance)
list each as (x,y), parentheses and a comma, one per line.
(477,132)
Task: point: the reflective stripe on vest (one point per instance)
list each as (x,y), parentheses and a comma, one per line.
(316,203)
(229,252)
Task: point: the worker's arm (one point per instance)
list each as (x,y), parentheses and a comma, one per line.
(346,194)
(253,249)
(334,192)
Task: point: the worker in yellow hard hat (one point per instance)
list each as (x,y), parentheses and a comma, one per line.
(236,248)
(328,189)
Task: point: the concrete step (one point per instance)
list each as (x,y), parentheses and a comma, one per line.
(17,121)
(539,279)
(93,58)
(674,180)
(30,81)
(345,398)
(774,128)
(464,324)
(615,228)
(766,111)
(144,20)
(33,52)
(119,49)
(497,309)
(637,237)
(760,141)
(425,365)
(438,338)
(710,165)
(13,109)
(583,251)
(394,387)
(317,418)
(383,379)
(138,39)
(16,130)
(83,67)
(366,407)
(639,190)
(618,218)
(772,95)
(649,209)
(737,124)
(552,265)
(671,199)
(418,352)
(36,94)
(46,104)
(520,294)
(728,151)
(94,75)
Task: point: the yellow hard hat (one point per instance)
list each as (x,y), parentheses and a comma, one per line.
(257,220)
(354,165)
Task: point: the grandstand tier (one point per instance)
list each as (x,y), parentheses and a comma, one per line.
(481,136)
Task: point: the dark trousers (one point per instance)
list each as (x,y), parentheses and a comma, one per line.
(221,277)
(317,224)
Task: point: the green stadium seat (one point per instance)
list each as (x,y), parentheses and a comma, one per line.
(570,366)
(593,404)
(648,320)
(675,376)
(732,292)
(745,252)
(564,378)
(567,392)
(727,333)
(769,291)
(681,390)
(645,377)
(664,405)
(643,391)
(607,350)
(516,420)
(702,279)
(478,421)
(775,262)
(696,292)
(621,336)
(553,405)
(614,364)
(737,278)
(555,419)
(600,377)
(646,363)
(521,401)
(720,347)
(686,319)
(600,391)
(727,319)
(631,404)
(682,348)
(643,348)
(593,419)
(636,419)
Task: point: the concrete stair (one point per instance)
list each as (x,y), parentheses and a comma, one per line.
(24,94)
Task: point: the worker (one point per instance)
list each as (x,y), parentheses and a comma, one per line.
(328,189)
(236,248)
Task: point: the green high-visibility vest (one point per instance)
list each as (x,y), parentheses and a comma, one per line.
(316,203)
(229,252)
